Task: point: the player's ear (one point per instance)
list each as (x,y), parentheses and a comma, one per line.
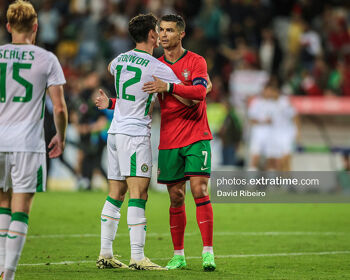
(182,34)
(152,35)
(8,27)
(35,27)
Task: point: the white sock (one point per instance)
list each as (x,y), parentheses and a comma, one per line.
(208,249)
(5,220)
(109,224)
(179,252)
(137,228)
(15,240)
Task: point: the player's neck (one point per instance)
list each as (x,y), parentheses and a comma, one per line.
(174,54)
(22,38)
(145,47)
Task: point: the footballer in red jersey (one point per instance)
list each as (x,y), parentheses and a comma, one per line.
(184,149)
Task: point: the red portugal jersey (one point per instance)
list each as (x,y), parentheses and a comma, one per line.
(182,125)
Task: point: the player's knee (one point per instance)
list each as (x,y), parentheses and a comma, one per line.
(199,188)
(177,198)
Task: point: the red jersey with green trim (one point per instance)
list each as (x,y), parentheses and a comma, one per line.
(182,125)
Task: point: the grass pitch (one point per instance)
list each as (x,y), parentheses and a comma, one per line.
(251,241)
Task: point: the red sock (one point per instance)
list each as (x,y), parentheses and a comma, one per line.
(177,226)
(204,214)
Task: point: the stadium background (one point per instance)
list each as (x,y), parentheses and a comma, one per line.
(231,35)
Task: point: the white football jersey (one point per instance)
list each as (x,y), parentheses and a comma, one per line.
(133,107)
(25,73)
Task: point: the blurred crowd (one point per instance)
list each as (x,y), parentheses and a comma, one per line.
(303,44)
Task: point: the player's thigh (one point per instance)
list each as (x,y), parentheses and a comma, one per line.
(171,167)
(114,172)
(134,155)
(197,159)
(28,172)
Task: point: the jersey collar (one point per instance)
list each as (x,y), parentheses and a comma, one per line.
(185,52)
(137,50)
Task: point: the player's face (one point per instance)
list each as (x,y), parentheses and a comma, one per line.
(170,36)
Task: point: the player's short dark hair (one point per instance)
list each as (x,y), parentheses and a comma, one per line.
(180,22)
(140,26)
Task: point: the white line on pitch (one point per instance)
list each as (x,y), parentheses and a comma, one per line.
(224,233)
(217,256)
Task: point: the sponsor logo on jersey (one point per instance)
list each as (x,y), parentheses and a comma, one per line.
(144,168)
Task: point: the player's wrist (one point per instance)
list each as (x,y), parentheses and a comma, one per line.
(110,103)
(170,87)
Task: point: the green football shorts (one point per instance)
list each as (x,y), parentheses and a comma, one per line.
(176,165)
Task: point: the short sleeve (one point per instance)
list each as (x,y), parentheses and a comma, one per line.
(165,73)
(55,75)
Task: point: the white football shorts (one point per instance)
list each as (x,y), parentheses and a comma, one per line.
(259,141)
(24,172)
(129,156)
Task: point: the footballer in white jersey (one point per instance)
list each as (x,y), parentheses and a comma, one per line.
(129,145)
(26,71)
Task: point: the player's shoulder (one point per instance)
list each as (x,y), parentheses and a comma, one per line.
(194,61)
(193,55)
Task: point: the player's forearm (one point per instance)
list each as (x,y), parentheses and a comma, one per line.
(61,120)
(197,92)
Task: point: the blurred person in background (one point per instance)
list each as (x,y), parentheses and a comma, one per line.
(260,114)
(89,122)
(49,20)
(284,128)
(270,53)
(310,46)
(231,135)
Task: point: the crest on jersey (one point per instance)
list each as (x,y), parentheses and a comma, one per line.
(186,74)
(144,168)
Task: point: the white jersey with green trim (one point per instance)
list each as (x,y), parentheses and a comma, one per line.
(25,73)
(133,107)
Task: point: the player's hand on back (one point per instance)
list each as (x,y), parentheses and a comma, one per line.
(56,146)
(102,100)
(155,86)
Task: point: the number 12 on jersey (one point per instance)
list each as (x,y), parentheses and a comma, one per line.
(126,84)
